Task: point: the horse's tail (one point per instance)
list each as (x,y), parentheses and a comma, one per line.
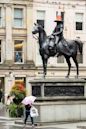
(79,43)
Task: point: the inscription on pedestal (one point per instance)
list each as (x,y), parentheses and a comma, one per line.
(36,91)
(58,91)
(45,88)
(64,91)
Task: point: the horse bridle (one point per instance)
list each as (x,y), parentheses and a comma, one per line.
(35,37)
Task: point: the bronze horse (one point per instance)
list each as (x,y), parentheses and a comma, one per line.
(59,50)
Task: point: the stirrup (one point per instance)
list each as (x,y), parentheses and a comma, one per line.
(50,47)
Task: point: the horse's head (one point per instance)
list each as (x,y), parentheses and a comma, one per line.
(38,29)
(35,29)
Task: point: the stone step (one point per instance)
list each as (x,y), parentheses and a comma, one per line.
(81,127)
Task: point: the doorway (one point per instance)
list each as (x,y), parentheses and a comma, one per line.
(2,89)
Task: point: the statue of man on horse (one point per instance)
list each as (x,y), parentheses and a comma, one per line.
(57,35)
(57,45)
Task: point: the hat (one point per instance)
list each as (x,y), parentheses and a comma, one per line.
(58,17)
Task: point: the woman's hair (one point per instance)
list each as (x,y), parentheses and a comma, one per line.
(8,96)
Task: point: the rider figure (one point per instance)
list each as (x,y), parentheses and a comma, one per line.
(58,31)
(58,34)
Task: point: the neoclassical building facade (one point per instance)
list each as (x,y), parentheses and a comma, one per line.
(19,51)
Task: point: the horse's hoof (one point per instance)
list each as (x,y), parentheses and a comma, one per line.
(76,77)
(67,76)
(44,76)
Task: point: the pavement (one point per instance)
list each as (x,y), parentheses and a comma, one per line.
(57,125)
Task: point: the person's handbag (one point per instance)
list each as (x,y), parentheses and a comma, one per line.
(33,112)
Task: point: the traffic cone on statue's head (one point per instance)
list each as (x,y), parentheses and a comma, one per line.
(58,17)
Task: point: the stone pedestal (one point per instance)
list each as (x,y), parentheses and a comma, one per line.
(60,99)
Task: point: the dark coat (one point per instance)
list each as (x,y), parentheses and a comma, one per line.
(27,108)
(58,31)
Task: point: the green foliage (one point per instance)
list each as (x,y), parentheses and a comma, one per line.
(19,93)
(15,110)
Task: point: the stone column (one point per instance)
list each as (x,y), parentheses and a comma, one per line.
(29,32)
(9,82)
(28,86)
(84,54)
(69,23)
(9,44)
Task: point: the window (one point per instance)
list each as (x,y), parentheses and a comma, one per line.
(18,51)
(18,17)
(41,17)
(80,56)
(79,21)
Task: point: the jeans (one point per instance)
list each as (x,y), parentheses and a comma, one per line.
(27,113)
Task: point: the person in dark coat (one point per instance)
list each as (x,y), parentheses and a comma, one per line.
(27,113)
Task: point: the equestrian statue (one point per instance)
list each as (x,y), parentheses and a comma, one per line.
(57,45)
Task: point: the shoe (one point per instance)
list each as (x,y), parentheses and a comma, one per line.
(24,126)
(33,125)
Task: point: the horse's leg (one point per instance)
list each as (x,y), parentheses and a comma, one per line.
(77,67)
(69,66)
(44,66)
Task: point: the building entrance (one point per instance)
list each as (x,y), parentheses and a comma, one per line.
(2,89)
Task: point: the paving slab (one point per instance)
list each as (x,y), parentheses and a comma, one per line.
(18,122)
(81,127)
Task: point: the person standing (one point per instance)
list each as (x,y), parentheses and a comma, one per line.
(1,94)
(9,101)
(27,113)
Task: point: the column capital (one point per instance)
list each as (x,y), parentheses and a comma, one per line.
(30,4)
(8,5)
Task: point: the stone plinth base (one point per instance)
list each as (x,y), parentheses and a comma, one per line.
(61,111)
(60,99)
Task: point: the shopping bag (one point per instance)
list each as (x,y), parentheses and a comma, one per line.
(33,112)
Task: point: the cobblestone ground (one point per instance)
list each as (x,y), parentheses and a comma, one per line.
(11,125)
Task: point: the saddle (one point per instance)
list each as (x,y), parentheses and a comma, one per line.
(62,45)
